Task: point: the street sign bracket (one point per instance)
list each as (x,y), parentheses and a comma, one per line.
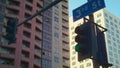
(104,29)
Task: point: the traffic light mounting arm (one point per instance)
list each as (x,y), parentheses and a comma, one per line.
(96,24)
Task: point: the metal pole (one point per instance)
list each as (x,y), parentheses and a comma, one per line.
(94,41)
(39,12)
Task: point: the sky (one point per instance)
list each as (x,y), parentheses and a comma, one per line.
(113,6)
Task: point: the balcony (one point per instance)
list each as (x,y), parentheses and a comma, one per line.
(65,38)
(39,17)
(65,16)
(40,4)
(39,26)
(28,12)
(25,58)
(66,63)
(39,34)
(26,38)
(38,42)
(9,14)
(65,23)
(65,54)
(6,45)
(25,48)
(26,28)
(65,46)
(13,4)
(37,62)
(38,52)
(6,54)
(6,63)
(12,13)
(65,31)
(65,3)
(7,50)
(64,9)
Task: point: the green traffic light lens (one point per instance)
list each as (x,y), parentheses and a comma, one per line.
(77,48)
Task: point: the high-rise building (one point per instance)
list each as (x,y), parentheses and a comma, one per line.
(42,41)
(112,36)
(112,39)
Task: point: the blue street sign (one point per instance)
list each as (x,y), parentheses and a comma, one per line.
(87,9)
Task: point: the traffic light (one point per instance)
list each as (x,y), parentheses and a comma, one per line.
(11,30)
(102,52)
(83,39)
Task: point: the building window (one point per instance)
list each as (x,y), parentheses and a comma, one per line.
(114,49)
(48,13)
(26,34)
(56,12)
(47,20)
(25,54)
(111,59)
(13,2)
(99,15)
(56,34)
(73,58)
(109,42)
(7,51)
(12,11)
(56,27)
(119,46)
(27,15)
(73,63)
(56,19)
(56,6)
(110,17)
(24,64)
(111,23)
(115,21)
(6,61)
(110,47)
(39,6)
(64,61)
(2,9)
(56,42)
(47,36)
(118,51)
(27,25)
(107,21)
(30,1)
(98,21)
(56,51)
(56,59)
(116,66)
(117,62)
(88,64)
(81,66)
(106,15)
(29,8)
(116,56)
(26,44)
(46,63)
(110,53)
(47,28)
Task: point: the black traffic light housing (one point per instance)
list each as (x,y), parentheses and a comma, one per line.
(11,30)
(85,46)
(83,39)
(102,52)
